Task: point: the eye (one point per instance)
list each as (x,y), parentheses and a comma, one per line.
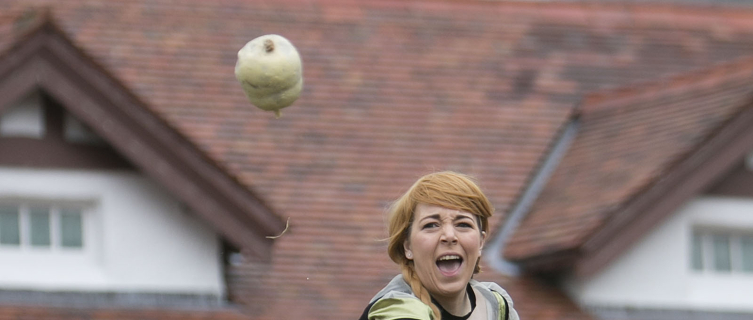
(465,225)
(430,225)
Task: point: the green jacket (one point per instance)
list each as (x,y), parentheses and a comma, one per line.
(397,301)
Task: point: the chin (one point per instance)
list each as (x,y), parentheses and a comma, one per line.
(452,288)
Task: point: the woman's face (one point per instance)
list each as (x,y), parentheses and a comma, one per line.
(444,245)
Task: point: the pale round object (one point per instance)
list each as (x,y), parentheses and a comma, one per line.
(270,72)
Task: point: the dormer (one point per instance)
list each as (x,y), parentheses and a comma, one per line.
(649,208)
(100,194)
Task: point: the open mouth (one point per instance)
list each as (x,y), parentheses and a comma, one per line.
(449,265)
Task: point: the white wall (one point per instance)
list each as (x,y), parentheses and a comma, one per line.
(137,237)
(656,271)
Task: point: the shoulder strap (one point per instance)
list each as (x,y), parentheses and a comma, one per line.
(504,301)
(503,307)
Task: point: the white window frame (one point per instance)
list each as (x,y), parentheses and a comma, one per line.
(55,221)
(707,250)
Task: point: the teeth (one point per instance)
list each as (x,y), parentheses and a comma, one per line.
(450,257)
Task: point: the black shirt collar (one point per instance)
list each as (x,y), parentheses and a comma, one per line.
(448,316)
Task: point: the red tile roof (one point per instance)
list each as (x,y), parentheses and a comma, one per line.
(50,313)
(393,90)
(628,140)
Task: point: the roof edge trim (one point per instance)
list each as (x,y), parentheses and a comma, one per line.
(522,206)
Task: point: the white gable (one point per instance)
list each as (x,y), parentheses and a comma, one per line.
(137,238)
(657,272)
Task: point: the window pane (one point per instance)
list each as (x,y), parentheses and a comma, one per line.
(71,228)
(747,255)
(24,119)
(40,226)
(697,259)
(721,253)
(9,227)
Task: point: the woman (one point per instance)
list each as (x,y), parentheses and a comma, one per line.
(437,229)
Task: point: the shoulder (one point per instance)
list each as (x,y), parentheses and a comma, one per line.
(396,301)
(397,306)
(499,297)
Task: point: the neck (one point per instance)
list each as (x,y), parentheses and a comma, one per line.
(458,304)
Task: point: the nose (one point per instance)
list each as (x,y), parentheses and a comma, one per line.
(448,235)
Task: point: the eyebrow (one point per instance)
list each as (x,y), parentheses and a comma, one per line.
(437,217)
(433,216)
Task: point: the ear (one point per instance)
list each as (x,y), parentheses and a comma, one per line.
(483,240)
(407,249)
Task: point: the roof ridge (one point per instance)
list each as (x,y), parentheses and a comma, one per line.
(19,24)
(616,98)
(647,9)
(698,7)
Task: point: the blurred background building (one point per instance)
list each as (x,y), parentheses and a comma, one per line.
(615,139)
